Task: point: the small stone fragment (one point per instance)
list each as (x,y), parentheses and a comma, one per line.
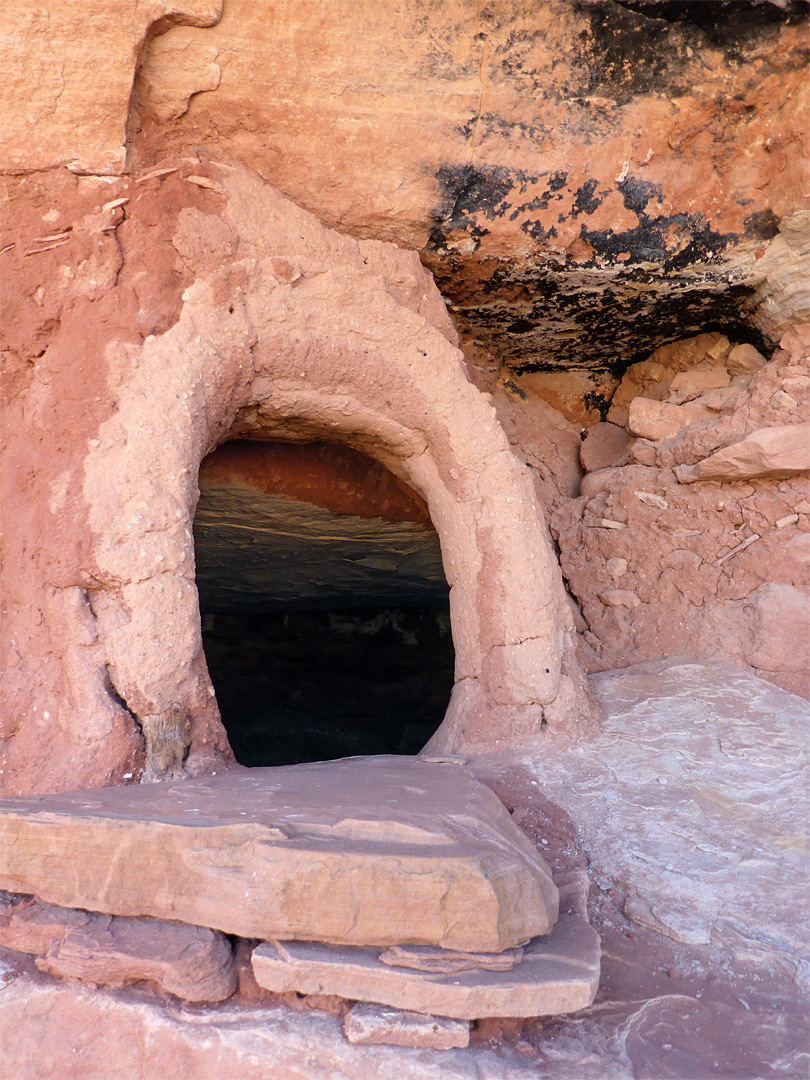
(782,400)
(619,598)
(789,519)
(740,547)
(604,445)
(616,568)
(429,958)
(607,523)
(649,499)
(688,385)
(661,420)
(367,1023)
(191,962)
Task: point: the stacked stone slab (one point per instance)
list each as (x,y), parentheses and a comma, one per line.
(389,880)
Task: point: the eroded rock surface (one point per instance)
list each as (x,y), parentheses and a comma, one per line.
(397,1027)
(365,851)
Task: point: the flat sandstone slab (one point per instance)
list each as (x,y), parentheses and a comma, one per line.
(558,973)
(362,851)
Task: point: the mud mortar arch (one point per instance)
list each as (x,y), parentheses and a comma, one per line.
(291,331)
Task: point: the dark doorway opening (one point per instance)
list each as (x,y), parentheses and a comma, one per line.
(324,606)
(314,685)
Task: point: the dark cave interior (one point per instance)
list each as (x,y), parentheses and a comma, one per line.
(325,610)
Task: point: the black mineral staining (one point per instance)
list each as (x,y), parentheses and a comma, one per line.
(722,24)
(520,326)
(660,280)
(646,46)
(597,403)
(471,189)
(764,224)
(585,202)
(637,193)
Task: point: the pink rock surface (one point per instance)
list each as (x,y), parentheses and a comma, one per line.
(362,851)
(700,565)
(558,973)
(396,1027)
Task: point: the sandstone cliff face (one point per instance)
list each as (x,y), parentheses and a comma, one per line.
(595,186)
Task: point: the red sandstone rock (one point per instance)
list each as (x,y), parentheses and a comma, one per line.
(364,851)
(744,360)
(396,1027)
(193,963)
(445,961)
(688,385)
(651,379)
(660,420)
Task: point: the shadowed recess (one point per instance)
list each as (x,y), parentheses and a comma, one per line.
(324,606)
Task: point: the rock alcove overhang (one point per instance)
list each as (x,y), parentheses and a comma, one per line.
(587,181)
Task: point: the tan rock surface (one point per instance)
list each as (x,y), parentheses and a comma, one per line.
(396,1027)
(362,851)
(193,963)
(604,445)
(504,141)
(69,71)
(660,419)
(558,973)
